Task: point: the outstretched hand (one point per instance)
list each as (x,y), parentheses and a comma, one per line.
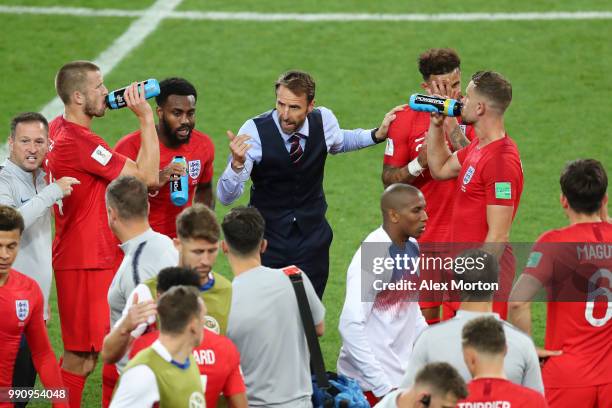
(381,133)
(238,147)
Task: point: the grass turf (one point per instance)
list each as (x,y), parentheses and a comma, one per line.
(362,69)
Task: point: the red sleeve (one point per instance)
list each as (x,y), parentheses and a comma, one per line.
(127,146)
(540,263)
(38,341)
(235,382)
(399,152)
(207,171)
(502,182)
(470,133)
(462,153)
(98,158)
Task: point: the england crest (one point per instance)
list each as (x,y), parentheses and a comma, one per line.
(22,308)
(468,175)
(194,169)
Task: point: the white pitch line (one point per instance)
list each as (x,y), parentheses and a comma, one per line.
(147,22)
(311,17)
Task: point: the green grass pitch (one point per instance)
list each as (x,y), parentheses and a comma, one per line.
(560,71)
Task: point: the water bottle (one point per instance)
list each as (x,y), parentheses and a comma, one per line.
(115,100)
(427,103)
(179,188)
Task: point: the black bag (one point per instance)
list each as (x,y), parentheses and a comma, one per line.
(328,389)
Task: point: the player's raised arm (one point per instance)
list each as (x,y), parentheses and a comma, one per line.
(146,166)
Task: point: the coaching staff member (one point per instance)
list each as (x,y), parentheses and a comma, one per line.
(284,152)
(85,252)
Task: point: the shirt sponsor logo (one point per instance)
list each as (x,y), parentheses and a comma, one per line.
(101,155)
(467,177)
(503,190)
(194,168)
(22,309)
(534,259)
(389,148)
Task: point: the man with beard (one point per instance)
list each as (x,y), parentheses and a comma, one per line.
(176,110)
(284,151)
(23,186)
(85,252)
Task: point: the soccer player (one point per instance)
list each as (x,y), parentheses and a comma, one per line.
(443,342)
(198,247)
(85,252)
(378,334)
(488,175)
(217,357)
(405,159)
(166,373)
(265,322)
(21,305)
(574,264)
(146,252)
(437,385)
(176,111)
(23,186)
(484,348)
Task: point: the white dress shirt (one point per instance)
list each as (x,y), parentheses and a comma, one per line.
(231,184)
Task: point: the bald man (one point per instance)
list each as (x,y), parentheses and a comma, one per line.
(381,317)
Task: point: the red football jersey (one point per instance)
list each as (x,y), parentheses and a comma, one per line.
(21,307)
(500,393)
(407,133)
(83,239)
(218,360)
(581,329)
(491,175)
(199,153)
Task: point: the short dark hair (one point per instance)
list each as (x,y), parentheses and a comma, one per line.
(10,219)
(174,86)
(485,334)
(243,229)
(298,82)
(129,196)
(478,267)
(438,61)
(493,86)
(443,378)
(72,77)
(198,222)
(175,276)
(176,307)
(28,117)
(584,183)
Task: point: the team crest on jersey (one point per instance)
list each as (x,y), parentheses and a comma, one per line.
(22,308)
(467,177)
(194,169)
(212,324)
(196,400)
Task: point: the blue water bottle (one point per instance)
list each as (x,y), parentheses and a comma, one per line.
(179,188)
(115,100)
(428,103)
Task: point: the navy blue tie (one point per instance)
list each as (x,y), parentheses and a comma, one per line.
(295,152)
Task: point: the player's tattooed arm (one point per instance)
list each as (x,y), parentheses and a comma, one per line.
(391,175)
(457,138)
